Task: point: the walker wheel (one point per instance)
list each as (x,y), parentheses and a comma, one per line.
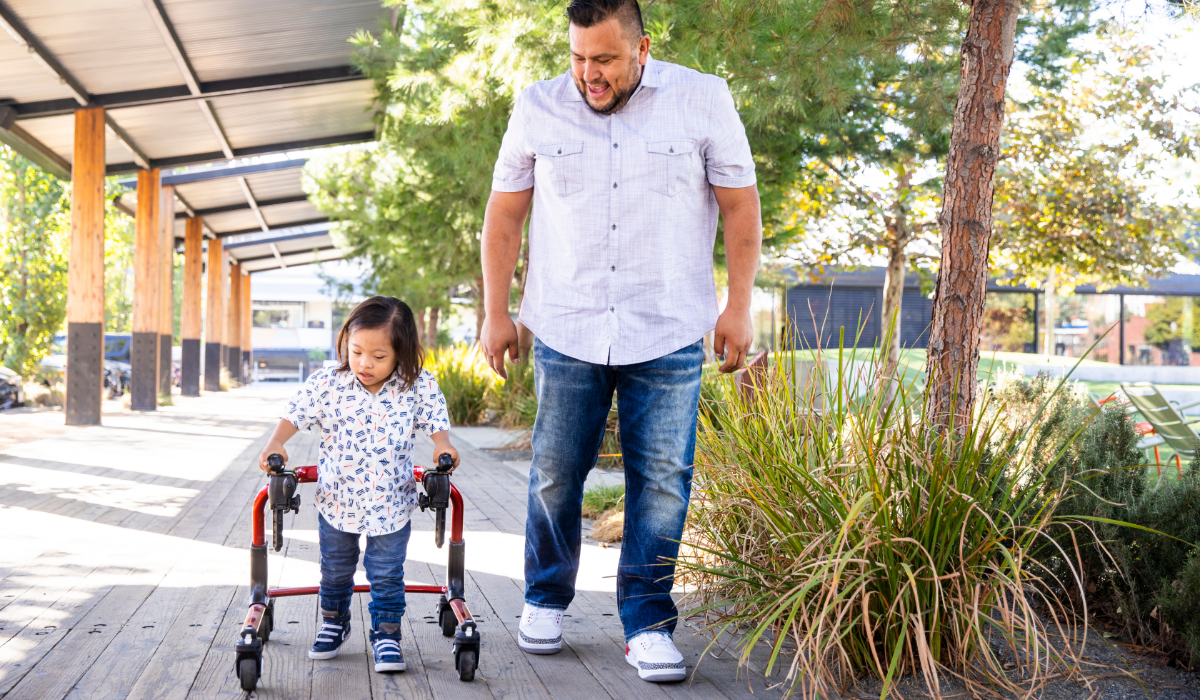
(247,672)
(467,660)
(449,623)
(268,623)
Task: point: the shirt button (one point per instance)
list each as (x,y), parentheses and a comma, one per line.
(614,227)
(614,185)
(610,308)
(614,145)
(614,268)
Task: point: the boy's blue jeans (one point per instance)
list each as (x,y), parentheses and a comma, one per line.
(657,403)
(384,562)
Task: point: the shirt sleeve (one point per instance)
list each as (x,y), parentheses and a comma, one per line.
(514,165)
(431,416)
(727,157)
(307,407)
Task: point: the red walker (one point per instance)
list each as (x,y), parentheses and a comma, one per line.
(452,612)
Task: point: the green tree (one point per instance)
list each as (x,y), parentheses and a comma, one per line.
(413,205)
(118,266)
(34,230)
(1074,202)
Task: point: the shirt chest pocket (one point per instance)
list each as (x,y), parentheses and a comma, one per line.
(562,163)
(670,165)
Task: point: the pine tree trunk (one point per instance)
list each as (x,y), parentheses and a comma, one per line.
(431,332)
(1051,313)
(966,216)
(893,281)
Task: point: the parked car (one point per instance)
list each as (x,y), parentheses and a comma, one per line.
(116,378)
(12,390)
(116,346)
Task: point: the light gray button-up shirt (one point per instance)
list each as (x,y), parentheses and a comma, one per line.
(624,218)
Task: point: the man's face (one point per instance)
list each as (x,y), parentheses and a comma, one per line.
(606,63)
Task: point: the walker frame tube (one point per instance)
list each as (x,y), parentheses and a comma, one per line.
(260,617)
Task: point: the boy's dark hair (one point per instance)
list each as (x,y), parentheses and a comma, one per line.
(589,13)
(395,316)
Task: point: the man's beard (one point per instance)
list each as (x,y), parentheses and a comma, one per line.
(619,98)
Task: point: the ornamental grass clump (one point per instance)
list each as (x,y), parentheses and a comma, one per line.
(848,534)
(463,375)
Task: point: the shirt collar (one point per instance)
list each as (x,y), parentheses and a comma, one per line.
(649,80)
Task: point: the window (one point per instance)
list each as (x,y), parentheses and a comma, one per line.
(272,318)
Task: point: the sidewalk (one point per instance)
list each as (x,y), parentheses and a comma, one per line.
(124,573)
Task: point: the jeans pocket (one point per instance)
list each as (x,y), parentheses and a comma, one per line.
(565,164)
(669,161)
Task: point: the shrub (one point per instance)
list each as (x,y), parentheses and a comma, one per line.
(514,400)
(464,377)
(1127,572)
(602,497)
(854,536)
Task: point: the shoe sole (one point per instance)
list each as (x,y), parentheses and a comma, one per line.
(533,648)
(665,675)
(385,668)
(320,655)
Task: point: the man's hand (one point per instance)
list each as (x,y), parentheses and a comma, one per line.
(732,338)
(499,334)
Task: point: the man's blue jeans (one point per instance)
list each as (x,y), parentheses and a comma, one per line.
(384,562)
(657,403)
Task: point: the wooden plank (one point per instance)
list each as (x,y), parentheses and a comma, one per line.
(601,608)
(345,676)
(170,672)
(115,671)
(437,653)
(413,683)
(216,678)
(287,670)
(562,675)
(36,662)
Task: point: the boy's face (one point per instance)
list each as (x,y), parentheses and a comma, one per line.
(372,358)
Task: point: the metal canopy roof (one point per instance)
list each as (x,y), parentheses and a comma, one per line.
(184,82)
(237,199)
(280,249)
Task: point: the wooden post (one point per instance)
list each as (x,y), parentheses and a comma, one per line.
(233,324)
(166,308)
(189,323)
(212,319)
(143,353)
(247,331)
(85,274)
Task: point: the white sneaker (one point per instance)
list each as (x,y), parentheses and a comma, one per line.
(655,657)
(540,631)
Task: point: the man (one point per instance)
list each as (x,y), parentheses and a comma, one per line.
(626,161)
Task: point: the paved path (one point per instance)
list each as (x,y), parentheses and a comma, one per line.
(124,563)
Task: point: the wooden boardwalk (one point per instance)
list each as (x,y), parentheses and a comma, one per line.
(124,567)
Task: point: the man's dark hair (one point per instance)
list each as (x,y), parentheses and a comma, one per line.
(394,316)
(589,13)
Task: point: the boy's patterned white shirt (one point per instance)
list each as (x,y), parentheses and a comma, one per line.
(365,474)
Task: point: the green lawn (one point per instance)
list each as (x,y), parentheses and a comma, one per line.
(913,364)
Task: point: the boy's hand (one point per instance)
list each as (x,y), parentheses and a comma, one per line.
(446,449)
(272,448)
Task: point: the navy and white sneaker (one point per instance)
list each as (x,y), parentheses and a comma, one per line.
(655,657)
(540,631)
(386,643)
(334,630)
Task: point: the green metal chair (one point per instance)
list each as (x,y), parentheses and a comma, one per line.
(1167,417)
